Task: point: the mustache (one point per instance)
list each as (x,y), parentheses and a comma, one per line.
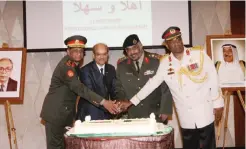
(134,54)
(102,59)
(227,55)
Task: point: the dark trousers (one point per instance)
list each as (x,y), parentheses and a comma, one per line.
(199,137)
(54,136)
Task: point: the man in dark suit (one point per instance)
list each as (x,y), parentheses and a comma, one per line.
(58,109)
(133,72)
(6,82)
(99,76)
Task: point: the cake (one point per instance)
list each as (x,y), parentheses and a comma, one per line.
(117,127)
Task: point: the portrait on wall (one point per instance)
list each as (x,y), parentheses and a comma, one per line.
(12,74)
(228,55)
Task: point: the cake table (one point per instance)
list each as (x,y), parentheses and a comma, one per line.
(165,141)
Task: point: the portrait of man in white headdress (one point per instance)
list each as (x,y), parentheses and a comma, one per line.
(229,64)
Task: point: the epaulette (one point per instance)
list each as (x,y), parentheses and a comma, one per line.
(164,56)
(70,63)
(197,48)
(155,55)
(121,59)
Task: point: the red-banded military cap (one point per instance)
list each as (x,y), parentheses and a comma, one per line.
(171,32)
(75,41)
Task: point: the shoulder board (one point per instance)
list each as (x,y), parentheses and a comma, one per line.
(164,56)
(70,63)
(155,55)
(196,48)
(121,59)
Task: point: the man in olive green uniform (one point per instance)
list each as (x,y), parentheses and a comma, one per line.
(59,105)
(133,72)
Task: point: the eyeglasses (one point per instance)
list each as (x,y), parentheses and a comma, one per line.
(7,69)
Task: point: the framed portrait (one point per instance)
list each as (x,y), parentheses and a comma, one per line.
(228,54)
(12,74)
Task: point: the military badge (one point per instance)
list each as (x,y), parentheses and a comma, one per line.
(187,52)
(76,41)
(172,31)
(69,63)
(149,72)
(170,71)
(70,73)
(192,67)
(134,41)
(146,60)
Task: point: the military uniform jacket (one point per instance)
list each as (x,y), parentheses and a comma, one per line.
(193,82)
(59,104)
(129,82)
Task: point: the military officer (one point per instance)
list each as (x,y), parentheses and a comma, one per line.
(192,79)
(59,104)
(133,72)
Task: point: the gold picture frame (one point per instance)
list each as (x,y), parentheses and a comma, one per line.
(214,45)
(14,86)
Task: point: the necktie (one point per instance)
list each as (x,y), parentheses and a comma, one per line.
(101,70)
(1,88)
(104,83)
(137,64)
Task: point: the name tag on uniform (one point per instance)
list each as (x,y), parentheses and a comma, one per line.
(149,72)
(129,73)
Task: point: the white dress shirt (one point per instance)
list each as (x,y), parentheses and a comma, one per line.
(103,67)
(5,86)
(194,101)
(140,62)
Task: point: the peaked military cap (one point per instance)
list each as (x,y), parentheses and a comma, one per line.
(171,32)
(75,41)
(130,41)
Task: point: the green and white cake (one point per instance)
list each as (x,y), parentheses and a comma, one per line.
(120,127)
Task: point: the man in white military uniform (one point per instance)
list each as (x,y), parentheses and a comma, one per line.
(192,79)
